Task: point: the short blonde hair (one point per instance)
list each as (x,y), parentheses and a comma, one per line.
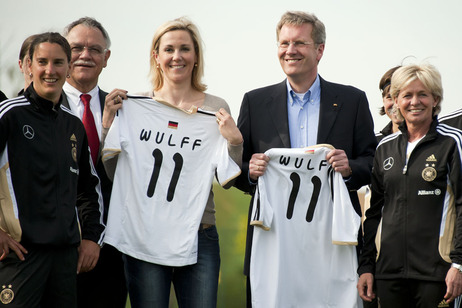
(298,18)
(426,73)
(185,24)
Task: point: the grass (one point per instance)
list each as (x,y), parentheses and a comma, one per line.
(232,207)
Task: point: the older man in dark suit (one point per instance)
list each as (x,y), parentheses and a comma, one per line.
(104,286)
(305,110)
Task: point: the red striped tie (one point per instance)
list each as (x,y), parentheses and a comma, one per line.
(90,127)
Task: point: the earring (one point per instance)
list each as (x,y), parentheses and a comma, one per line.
(195,64)
(30,74)
(158,66)
(68,76)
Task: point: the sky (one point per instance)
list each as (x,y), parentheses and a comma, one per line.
(364,39)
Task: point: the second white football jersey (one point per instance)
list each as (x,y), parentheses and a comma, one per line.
(167,160)
(303,254)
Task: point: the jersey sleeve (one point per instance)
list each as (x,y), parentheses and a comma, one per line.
(455,176)
(9,217)
(89,199)
(262,212)
(345,221)
(227,169)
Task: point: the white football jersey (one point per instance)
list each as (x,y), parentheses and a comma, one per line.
(167,160)
(303,254)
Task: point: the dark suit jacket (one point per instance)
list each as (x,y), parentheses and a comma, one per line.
(345,122)
(106,184)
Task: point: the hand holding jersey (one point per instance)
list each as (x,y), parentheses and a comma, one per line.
(339,161)
(336,158)
(227,127)
(226,124)
(112,103)
(257,165)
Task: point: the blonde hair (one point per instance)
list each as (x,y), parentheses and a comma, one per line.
(426,73)
(298,18)
(184,24)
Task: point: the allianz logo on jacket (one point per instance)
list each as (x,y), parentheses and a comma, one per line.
(435,192)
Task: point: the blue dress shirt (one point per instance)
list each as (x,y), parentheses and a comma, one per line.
(303,113)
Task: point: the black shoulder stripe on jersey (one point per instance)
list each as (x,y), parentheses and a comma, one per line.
(14,99)
(256,217)
(68,110)
(452,132)
(139,97)
(330,173)
(447,128)
(11,103)
(451,115)
(210,113)
(199,110)
(389,138)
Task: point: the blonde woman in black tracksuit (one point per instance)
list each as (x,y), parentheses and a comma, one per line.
(413,230)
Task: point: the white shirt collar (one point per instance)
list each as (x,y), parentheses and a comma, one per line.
(73,95)
(315,91)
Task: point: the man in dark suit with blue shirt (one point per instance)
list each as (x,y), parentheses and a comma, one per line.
(305,110)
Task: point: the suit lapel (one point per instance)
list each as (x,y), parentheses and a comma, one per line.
(102,98)
(277,109)
(65,102)
(330,105)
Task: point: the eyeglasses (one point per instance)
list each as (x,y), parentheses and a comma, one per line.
(93,50)
(297,44)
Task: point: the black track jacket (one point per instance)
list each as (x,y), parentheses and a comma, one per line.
(46,175)
(413,229)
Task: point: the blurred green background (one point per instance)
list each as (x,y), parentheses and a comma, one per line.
(232,207)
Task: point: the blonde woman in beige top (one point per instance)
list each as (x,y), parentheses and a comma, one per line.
(177,68)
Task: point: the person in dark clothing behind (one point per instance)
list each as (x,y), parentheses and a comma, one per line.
(22,62)
(388,104)
(388,109)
